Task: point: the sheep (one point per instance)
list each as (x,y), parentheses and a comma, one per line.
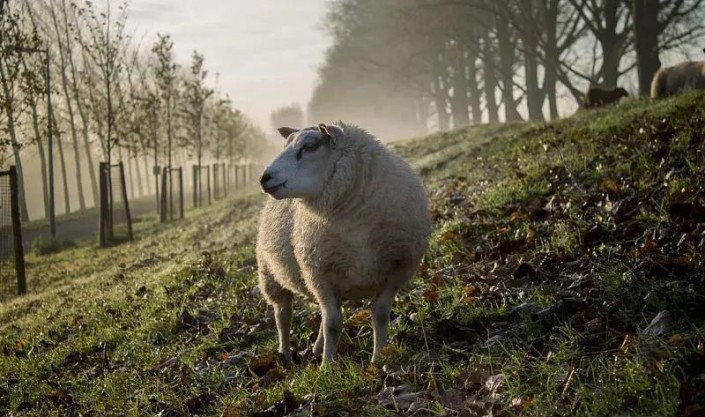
(347,219)
(596,97)
(688,75)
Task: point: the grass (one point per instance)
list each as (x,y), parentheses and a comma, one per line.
(45,246)
(554,247)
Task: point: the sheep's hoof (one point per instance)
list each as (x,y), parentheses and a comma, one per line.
(285,359)
(377,361)
(326,365)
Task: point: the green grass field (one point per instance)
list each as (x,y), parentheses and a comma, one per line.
(555,245)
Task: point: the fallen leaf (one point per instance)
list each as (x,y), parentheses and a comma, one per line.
(199,402)
(272,376)
(660,325)
(610,186)
(400,397)
(593,236)
(261,364)
(649,247)
(524,269)
(677,340)
(453,398)
(360,318)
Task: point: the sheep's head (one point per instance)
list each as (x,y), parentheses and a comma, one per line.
(301,170)
(621,92)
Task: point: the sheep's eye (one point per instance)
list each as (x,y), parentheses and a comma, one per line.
(306,148)
(310,147)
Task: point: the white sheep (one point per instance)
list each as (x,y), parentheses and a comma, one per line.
(349,219)
(688,75)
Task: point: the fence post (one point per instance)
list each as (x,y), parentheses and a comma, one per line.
(224,175)
(103,210)
(237,176)
(171,194)
(208,183)
(163,208)
(17,231)
(124,199)
(181,192)
(155,171)
(194,190)
(225,179)
(215,182)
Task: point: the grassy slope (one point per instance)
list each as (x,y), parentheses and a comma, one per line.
(554,247)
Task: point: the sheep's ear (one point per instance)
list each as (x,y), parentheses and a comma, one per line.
(335,133)
(286,131)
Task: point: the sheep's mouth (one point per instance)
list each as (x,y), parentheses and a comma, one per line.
(274,189)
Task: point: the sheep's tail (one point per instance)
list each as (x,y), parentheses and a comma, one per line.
(658,84)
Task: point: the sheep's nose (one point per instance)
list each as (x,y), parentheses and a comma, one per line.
(264,178)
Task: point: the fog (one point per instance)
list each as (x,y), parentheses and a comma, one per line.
(397,69)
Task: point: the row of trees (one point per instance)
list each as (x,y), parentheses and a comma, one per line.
(113,98)
(397,64)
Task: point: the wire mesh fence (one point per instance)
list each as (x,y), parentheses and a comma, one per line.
(172,196)
(12,279)
(115,221)
(201,180)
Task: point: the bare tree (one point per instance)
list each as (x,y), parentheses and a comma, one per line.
(105,39)
(195,96)
(164,72)
(14,45)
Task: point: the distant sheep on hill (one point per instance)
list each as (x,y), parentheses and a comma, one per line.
(349,219)
(688,75)
(596,97)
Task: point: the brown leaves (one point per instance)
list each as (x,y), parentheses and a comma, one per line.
(284,407)
(472,394)
(686,212)
(611,187)
(261,364)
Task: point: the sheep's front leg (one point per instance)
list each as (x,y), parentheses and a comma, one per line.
(381,310)
(282,315)
(332,319)
(318,346)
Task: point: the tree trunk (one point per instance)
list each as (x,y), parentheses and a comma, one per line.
(490,80)
(534,96)
(440,97)
(74,142)
(63,50)
(611,43)
(100,127)
(506,56)
(147,171)
(459,101)
(473,88)
(133,187)
(645,18)
(138,176)
(42,154)
(62,162)
(84,133)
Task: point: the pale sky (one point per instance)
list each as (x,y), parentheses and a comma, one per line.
(266,51)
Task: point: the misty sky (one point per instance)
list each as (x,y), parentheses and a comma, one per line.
(267,51)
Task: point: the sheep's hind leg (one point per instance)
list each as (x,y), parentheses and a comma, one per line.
(381,310)
(282,315)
